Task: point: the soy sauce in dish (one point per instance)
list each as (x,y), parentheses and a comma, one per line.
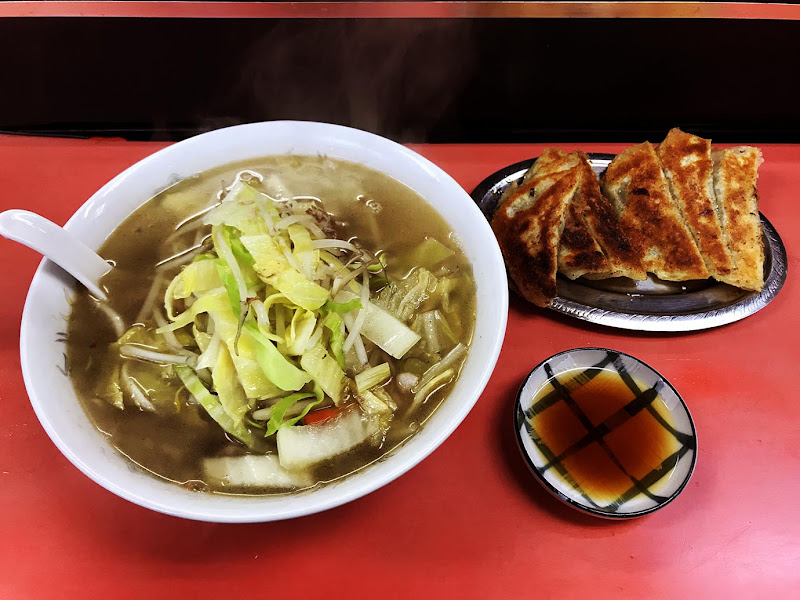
(601,436)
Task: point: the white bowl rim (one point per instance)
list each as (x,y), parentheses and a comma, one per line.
(370,479)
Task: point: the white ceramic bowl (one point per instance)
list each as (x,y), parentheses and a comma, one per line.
(47,307)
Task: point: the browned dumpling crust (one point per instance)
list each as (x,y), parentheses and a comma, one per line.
(686,160)
(578,251)
(681,212)
(649,216)
(528,225)
(735,178)
(623,256)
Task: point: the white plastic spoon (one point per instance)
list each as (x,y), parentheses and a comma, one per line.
(58,245)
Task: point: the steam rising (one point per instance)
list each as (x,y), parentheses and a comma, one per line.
(392,77)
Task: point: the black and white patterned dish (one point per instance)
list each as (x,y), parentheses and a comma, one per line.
(654,398)
(652,304)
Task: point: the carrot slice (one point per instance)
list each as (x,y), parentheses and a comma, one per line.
(319,416)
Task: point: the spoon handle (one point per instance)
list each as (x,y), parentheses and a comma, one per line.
(56,244)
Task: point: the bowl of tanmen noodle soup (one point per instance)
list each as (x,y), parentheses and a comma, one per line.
(298,313)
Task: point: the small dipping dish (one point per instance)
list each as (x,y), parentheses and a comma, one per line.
(605,433)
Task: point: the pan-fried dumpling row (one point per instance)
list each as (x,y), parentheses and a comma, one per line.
(679,212)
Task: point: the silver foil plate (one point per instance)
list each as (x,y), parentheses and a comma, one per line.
(652,304)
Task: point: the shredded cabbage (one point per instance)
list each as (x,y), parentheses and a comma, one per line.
(229,391)
(372,405)
(273,268)
(198,277)
(404,297)
(342,307)
(269,325)
(300,330)
(335,325)
(429,253)
(386,331)
(213,406)
(325,370)
(277,421)
(373,376)
(277,367)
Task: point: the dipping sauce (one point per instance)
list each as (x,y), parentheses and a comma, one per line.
(608,436)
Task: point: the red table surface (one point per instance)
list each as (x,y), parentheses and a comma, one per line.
(469,521)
